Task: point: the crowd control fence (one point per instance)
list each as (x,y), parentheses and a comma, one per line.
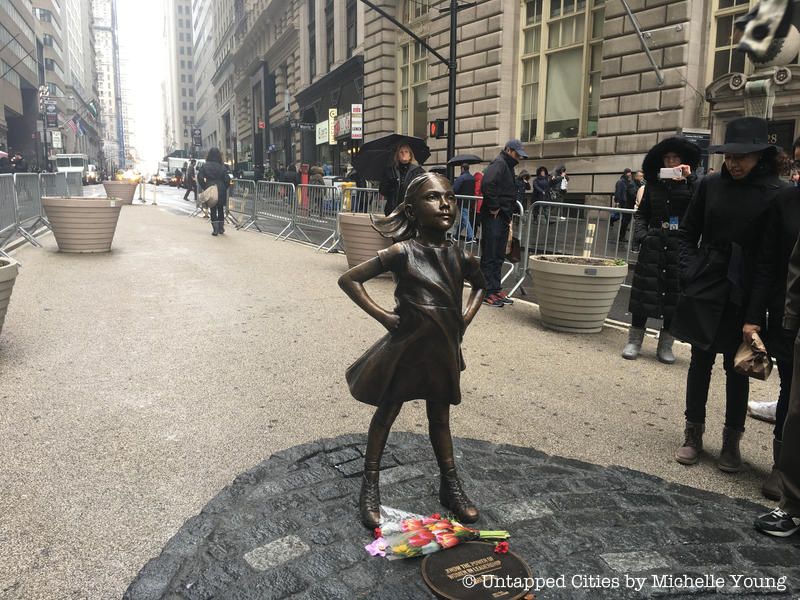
(21,213)
(317,208)
(574,229)
(274,206)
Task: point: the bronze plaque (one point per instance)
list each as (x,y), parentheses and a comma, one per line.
(472,571)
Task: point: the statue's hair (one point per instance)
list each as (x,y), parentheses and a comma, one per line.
(397,225)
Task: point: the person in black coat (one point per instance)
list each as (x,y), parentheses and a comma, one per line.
(499,191)
(214,172)
(464,185)
(769,296)
(719,242)
(625,197)
(656,284)
(397,176)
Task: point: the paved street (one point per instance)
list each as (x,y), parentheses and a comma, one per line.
(136,385)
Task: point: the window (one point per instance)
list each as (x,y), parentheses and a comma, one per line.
(352,27)
(312,38)
(181,50)
(190,77)
(183,78)
(47,40)
(183,64)
(561,58)
(330,34)
(414,9)
(414,90)
(725,59)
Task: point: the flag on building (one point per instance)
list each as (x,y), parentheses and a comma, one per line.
(71,124)
(81,129)
(93,108)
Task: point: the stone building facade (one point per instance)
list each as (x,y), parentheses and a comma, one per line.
(570,78)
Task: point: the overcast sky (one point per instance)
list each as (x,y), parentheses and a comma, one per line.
(143,54)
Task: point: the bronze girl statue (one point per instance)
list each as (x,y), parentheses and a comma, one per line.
(420,357)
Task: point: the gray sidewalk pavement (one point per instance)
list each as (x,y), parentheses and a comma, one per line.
(135,385)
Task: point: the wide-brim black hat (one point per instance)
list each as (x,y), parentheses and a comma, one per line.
(743,136)
(688,151)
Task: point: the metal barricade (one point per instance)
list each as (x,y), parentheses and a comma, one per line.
(241,202)
(8,211)
(316,208)
(363,200)
(54,184)
(74,184)
(574,229)
(464,231)
(199,207)
(29,205)
(275,203)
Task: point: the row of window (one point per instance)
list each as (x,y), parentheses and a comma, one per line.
(351,33)
(560,65)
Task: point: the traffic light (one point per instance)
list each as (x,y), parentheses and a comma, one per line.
(44,94)
(436,129)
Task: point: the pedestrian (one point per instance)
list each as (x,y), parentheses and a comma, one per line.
(316,198)
(656,278)
(784,520)
(420,357)
(6,166)
(769,298)
(541,191)
(291,175)
(464,185)
(524,188)
(215,172)
(719,238)
(559,184)
(499,201)
(638,180)
(396,177)
(20,164)
(190,183)
(625,197)
(316,175)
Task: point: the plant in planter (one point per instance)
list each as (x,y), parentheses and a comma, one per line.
(123,190)
(361,241)
(8,274)
(82,224)
(576,293)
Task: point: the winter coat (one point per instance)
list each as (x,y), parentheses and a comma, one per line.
(464,185)
(781,231)
(656,278)
(214,173)
(316,176)
(499,187)
(394,183)
(625,192)
(541,188)
(719,239)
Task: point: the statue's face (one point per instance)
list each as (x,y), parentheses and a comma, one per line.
(435,205)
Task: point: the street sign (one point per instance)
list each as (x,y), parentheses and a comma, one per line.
(51,120)
(197,137)
(56,139)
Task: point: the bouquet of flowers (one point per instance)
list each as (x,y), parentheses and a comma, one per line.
(418,536)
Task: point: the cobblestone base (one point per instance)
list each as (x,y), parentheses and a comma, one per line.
(289,528)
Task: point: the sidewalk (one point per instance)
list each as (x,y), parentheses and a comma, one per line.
(115,429)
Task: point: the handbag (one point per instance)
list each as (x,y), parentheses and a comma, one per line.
(752,359)
(209,196)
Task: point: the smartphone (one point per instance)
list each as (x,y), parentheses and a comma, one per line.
(670,173)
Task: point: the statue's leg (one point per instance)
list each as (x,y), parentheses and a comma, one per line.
(451,495)
(369,502)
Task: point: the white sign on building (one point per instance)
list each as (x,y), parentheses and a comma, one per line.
(332,112)
(55,139)
(357,121)
(322,133)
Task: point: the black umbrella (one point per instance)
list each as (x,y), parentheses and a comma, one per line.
(465,159)
(375,156)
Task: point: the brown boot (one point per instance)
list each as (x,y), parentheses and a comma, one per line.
(451,496)
(730,459)
(773,487)
(692,444)
(369,502)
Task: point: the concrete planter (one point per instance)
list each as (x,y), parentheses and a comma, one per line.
(82,224)
(122,190)
(361,241)
(8,274)
(574,293)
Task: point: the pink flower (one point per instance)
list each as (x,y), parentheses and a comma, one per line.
(378,532)
(377,548)
(501,548)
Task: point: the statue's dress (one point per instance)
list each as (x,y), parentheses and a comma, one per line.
(422,358)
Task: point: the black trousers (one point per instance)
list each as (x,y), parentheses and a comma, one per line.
(218,212)
(785,373)
(640,322)
(737,388)
(494,237)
